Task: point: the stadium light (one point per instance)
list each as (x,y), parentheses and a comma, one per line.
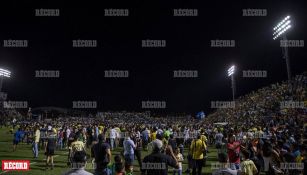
(4,73)
(231,72)
(280,31)
(281,27)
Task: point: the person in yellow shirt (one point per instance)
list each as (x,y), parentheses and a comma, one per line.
(100,129)
(36,141)
(153,135)
(248,167)
(197,149)
(203,137)
(75,146)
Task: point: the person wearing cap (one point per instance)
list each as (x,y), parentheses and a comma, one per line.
(157,163)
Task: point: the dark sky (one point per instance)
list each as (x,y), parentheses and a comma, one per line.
(150,69)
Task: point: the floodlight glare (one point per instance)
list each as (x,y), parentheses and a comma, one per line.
(286,18)
(281,27)
(5,73)
(283,31)
(231,70)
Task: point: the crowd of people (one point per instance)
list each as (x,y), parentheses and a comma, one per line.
(267,128)
(258,135)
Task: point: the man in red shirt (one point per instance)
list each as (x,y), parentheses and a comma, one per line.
(233,148)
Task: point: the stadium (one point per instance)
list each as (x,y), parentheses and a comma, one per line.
(153,88)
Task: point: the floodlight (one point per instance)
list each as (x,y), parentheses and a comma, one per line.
(231,70)
(5,73)
(281,27)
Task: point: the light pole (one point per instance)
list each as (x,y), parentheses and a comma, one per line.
(3,73)
(279,31)
(231,72)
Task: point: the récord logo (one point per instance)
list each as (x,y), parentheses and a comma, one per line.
(20,165)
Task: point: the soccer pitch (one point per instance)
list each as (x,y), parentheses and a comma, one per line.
(37,166)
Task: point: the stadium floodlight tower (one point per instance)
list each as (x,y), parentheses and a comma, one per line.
(3,73)
(280,32)
(231,72)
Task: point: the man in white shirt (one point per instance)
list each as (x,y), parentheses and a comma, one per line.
(129,148)
(113,134)
(49,127)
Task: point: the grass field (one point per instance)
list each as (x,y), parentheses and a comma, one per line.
(37,166)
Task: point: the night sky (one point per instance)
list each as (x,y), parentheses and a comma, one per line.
(150,69)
